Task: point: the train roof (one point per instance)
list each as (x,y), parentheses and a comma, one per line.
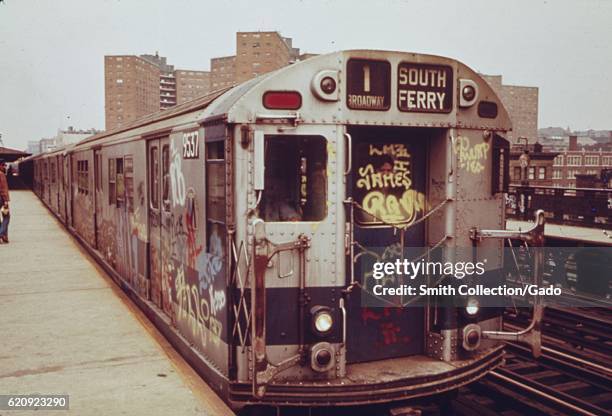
(243,103)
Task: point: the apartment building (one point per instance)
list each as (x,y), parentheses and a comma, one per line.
(521,102)
(222,72)
(139,85)
(256,54)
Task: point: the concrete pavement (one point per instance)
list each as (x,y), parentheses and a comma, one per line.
(65,328)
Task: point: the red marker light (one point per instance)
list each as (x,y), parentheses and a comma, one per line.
(282,100)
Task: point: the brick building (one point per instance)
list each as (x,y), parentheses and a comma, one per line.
(539,172)
(261,52)
(222,72)
(256,54)
(522,105)
(139,85)
(574,161)
(191,84)
(131,89)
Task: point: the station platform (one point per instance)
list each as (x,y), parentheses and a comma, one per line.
(66,328)
(585,235)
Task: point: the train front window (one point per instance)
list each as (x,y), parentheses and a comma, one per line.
(295,179)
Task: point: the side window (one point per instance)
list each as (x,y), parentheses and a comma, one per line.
(128,172)
(166,177)
(215,197)
(119,182)
(98,171)
(154,177)
(112,182)
(86,177)
(295,179)
(82,177)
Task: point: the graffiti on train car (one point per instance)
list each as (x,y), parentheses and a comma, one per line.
(384,185)
(471,157)
(198,309)
(191,224)
(390,332)
(177,179)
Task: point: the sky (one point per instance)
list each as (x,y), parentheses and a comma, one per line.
(52,51)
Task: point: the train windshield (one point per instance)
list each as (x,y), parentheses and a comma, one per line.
(295,178)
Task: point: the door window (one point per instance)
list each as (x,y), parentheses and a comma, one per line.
(154,177)
(295,179)
(383,184)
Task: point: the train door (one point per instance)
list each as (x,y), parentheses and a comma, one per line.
(154,165)
(167,229)
(69,190)
(98,195)
(65,191)
(60,187)
(387,185)
(58,178)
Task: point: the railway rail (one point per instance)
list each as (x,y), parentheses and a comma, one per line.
(547,385)
(583,333)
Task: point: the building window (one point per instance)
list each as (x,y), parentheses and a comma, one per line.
(571,174)
(591,160)
(531,173)
(542,172)
(119,81)
(517,173)
(574,160)
(606,160)
(557,174)
(558,161)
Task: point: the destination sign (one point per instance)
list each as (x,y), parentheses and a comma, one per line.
(368,85)
(423,88)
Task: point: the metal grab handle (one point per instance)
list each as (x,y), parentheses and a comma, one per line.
(532,335)
(263,371)
(349,152)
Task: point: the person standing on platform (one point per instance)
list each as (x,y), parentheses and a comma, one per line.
(4,204)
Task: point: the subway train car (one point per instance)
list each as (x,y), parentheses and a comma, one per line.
(240,222)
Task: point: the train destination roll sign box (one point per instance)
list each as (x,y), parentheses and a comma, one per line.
(421,88)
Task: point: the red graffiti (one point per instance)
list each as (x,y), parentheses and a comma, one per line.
(193,250)
(385,320)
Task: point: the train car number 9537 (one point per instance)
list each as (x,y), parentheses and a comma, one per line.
(191,145)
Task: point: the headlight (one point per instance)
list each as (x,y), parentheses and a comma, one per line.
(322,320)
(472,307)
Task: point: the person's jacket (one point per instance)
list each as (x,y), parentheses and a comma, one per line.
(4,190)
